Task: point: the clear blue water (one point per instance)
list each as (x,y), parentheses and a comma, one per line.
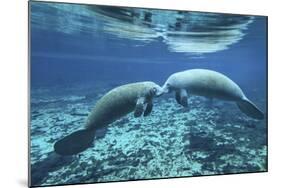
(79,52)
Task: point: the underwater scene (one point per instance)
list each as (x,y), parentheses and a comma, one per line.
(120,93)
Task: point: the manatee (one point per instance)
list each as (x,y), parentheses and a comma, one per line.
(210,84)
(113,105)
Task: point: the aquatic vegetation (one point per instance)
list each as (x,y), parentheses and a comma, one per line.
(171,142)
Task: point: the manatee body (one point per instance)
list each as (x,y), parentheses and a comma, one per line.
(113,105)
(211,84)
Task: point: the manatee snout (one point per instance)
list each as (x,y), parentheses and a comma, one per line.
(158,91)
(166,88)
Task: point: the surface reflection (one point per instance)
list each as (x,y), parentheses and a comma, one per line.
(181,31)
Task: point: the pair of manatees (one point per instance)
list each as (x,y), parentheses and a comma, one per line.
(138,97)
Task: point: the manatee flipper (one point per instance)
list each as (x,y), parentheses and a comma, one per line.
(148,108)
(139,107)
(178,96)
(250,109)
(181,97)
(74,143)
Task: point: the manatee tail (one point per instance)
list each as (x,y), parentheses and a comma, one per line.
(75,143)
(250,109)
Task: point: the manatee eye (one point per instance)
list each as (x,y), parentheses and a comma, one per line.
(152,92)
(167,88)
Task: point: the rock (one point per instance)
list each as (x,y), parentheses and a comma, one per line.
(228,169)
(41,169)
(208,166)
(251,125)
(201,143)
(105,172)
(135,127)
(84,165)
(253,168)
(135,163)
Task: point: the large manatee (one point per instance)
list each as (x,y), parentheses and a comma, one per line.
(211,84)
(113,105)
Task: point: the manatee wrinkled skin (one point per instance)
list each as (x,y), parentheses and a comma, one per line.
(210,84)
